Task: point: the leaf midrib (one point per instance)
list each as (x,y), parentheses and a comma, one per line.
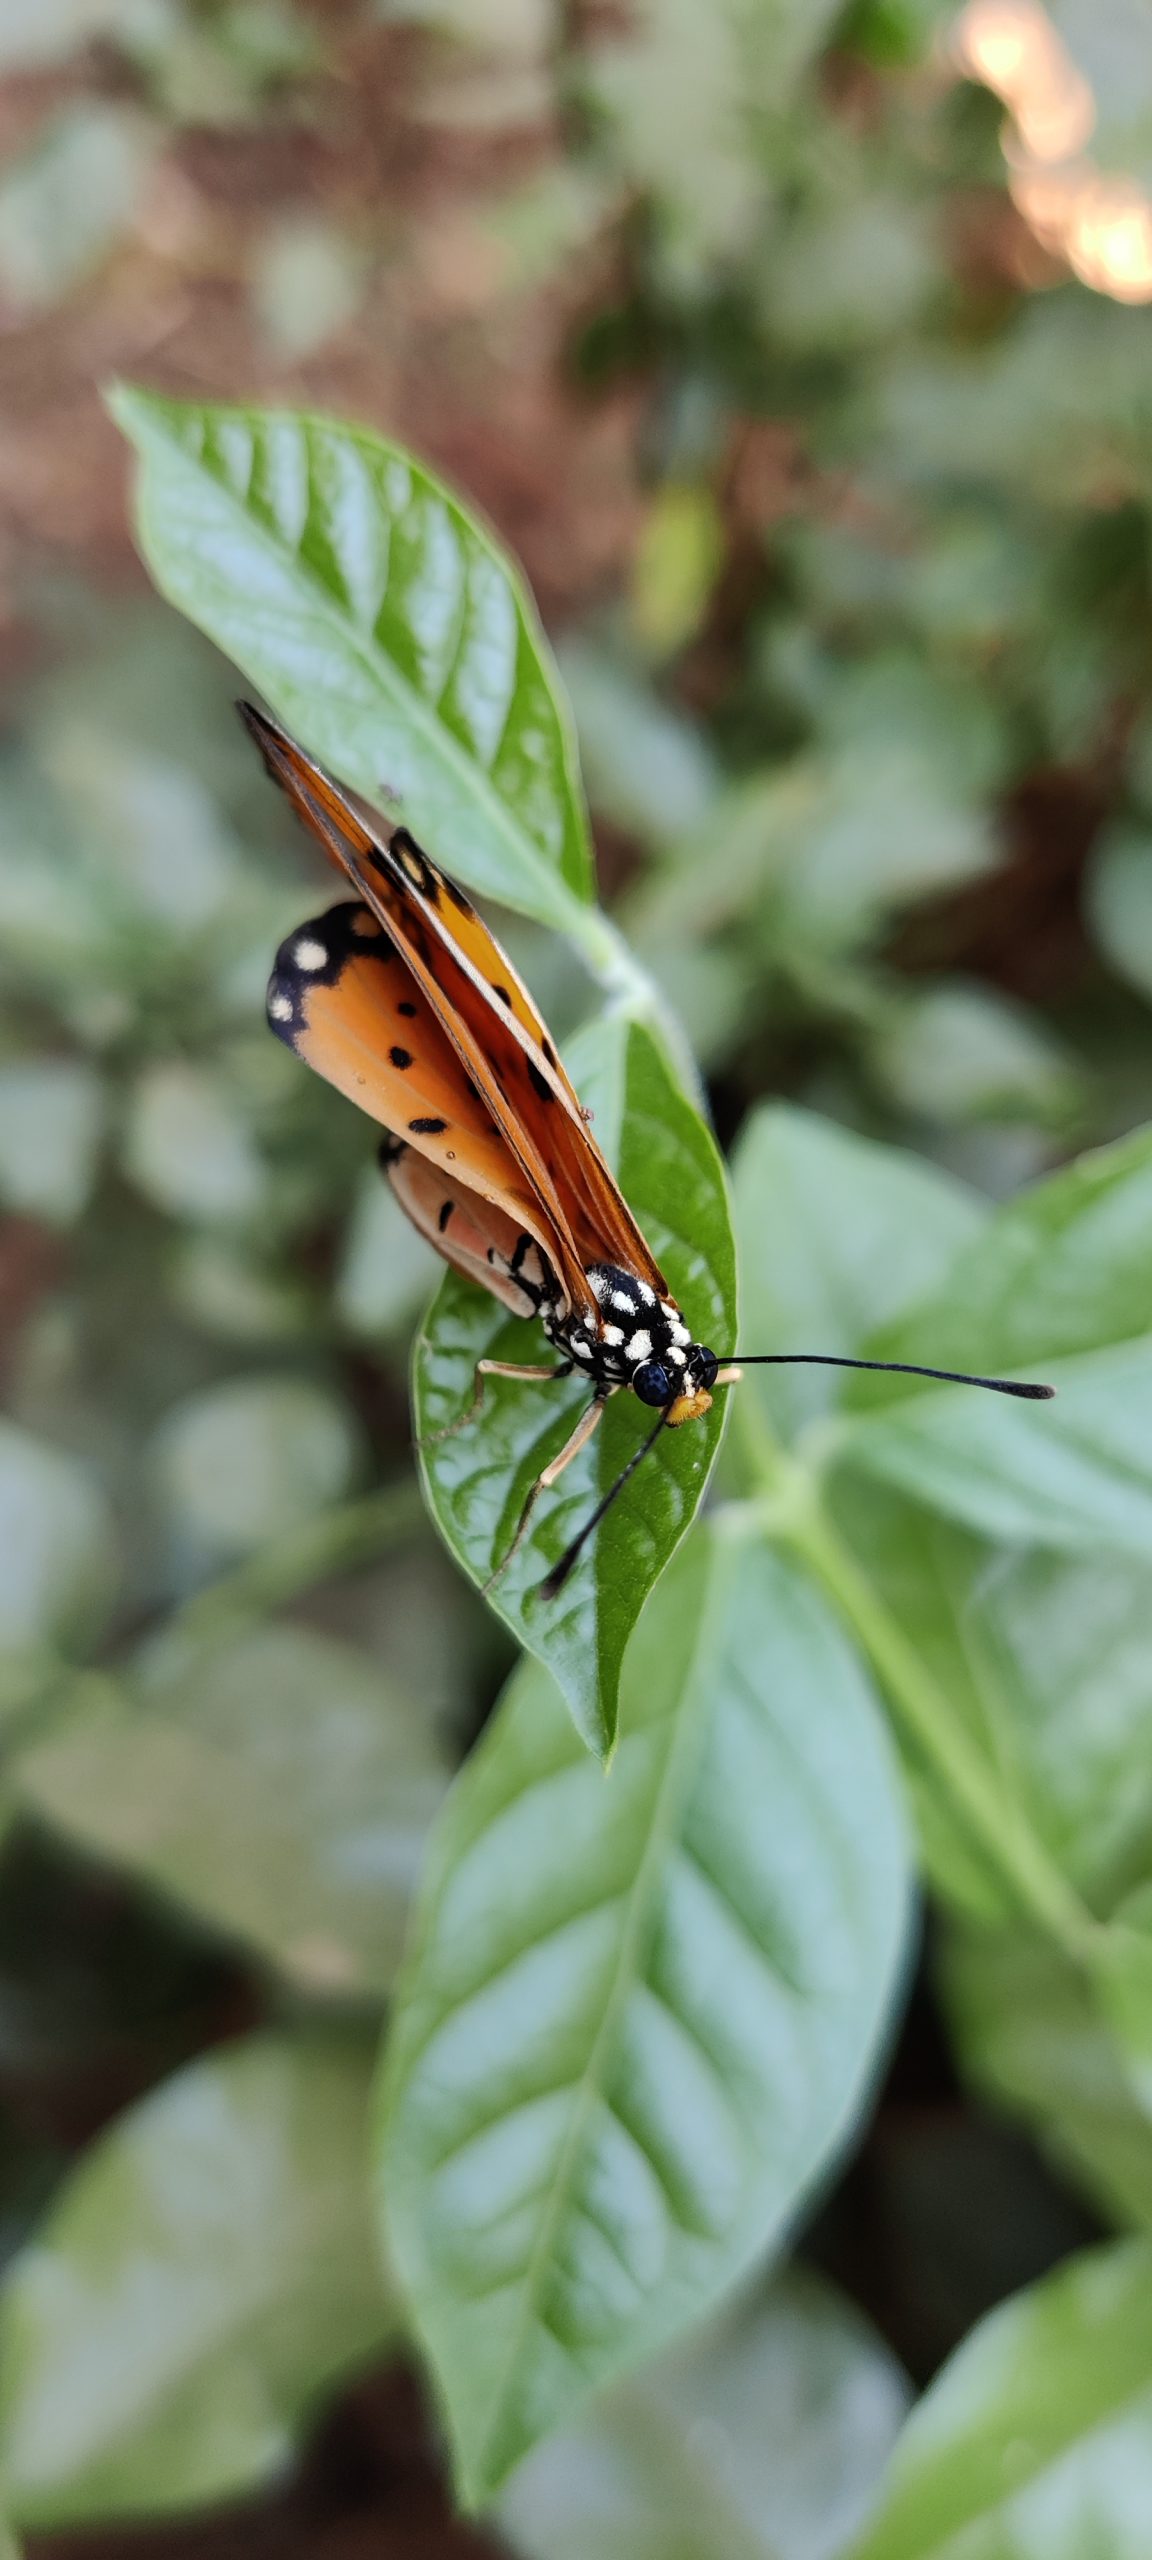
(665,1821)
(412,705)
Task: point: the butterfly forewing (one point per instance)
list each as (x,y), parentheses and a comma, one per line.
(486,1014)
(344,999)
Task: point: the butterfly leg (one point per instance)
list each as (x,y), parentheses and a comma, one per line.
(491,1369)
(551,1474)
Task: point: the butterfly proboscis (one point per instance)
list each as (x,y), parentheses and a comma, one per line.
(404,999)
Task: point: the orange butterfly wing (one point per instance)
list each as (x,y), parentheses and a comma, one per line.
(472,1233)
(487,1014)
(342,997)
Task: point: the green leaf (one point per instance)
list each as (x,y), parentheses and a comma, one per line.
(835,1235)
(1123,1974)
(1046,1660)
(477,1481)
(762,2440)
(56,1555)
(51,1110)
(1036,2441)
(1119,893)
(280,1789)
(1033,2039)
(188,1148)
(252,1460)
(204,2278)
(965,1052)
(65,203)
(384,625)
(1055,1286)
(640,2012)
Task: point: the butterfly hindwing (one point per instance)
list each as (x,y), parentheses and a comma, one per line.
(486,1013)
(474,1234)
(344,999)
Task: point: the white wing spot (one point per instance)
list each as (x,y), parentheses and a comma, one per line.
(640,1347)
(309,954)
(280,1006)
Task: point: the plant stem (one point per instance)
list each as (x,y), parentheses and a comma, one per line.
(923,1710)
(791,1511)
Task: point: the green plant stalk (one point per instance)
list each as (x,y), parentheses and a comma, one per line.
(792,1512)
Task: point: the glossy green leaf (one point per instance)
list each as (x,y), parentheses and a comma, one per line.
(1046,1661)
(640,2010)
(477,1481)
(1035,2443)
(762,2440)
(279,1788)
(834,1235)
(384,625)
(206,2274)
(1055,1286)
(1033,2038)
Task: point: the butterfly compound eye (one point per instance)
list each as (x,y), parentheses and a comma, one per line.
(652,1383)
(702,1365)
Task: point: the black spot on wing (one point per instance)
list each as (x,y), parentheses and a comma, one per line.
(400,1057)
(427,1128)
(539,1083)
(448,1211)
(502,992)
(548,1050)
(408,1010)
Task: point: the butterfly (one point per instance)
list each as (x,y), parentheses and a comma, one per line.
(404,1000)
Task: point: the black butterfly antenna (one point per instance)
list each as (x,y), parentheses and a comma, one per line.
(1026,1387)
(1029,1389)
(556,1579)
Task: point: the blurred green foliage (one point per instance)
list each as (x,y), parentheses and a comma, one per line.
(867,731)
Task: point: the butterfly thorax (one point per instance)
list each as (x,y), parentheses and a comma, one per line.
(640,1341)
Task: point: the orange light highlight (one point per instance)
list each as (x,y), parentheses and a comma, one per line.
(1101,224)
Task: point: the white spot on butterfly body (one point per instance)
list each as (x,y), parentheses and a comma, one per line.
(581,1350)
(309,954)
(640,1347)
(680,1332)
(599,1285)
(280,1007)
(646,1295)
(612,1334)
(624,1300)
(675,1355)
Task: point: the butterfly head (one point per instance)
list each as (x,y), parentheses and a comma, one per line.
(642,1342)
